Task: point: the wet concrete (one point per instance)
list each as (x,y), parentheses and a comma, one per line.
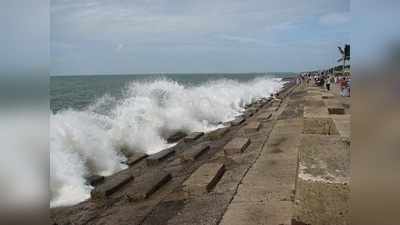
(257,184)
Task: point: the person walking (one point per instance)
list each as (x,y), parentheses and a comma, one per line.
(328,83)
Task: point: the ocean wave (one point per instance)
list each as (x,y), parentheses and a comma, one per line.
(87,142)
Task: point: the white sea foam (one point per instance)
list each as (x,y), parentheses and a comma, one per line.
(89,141)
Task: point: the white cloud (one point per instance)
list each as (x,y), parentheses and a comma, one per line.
(281,26)
(119,47)
(240,39)
(335,18)
(144,28)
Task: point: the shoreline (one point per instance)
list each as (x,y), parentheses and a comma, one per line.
(158,186)
(177,137)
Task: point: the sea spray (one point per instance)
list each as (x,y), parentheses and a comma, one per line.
(89,141)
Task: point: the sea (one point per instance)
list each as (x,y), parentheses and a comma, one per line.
(94,117)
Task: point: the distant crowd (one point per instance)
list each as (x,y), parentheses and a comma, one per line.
(325,80)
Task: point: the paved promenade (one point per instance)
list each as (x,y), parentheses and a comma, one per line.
(283,162)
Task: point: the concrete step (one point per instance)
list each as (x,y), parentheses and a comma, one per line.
(237,121)
(176,137)
(195,152)
(217,134)
(322,183)
(204,179)
(253,109)
(135,158)
(236,145)
(274,108)
(324,126)
(248,114)
(327,96)
(160,156)
(336,111)
(252,127)
(111,185)
(147,185)
(264,117)
(193,136)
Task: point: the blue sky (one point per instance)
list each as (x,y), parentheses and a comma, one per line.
(153,36)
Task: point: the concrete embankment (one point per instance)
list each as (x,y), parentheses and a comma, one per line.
(267,167)
(322,187)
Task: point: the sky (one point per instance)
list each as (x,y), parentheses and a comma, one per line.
(195,36)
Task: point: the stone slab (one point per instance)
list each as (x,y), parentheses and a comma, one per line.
(322,184)
(160,156)
(135,158)
(176,137)
(252,127)
(276,104)
(257,213)
(274,108)
(336,111)
(218,133)
(237,121)
(194,153)
(236,145)
(204,179)
(147,185)
(264,116)
(111,185)
(245,214)
(343,125)
(193,136)
(324,157)
(252,109)
(327,96)
(248,114)
(324,126)
(312,111)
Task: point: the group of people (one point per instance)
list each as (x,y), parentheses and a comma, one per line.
(325,80)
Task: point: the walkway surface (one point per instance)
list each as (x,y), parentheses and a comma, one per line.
(266,192)
(268,167)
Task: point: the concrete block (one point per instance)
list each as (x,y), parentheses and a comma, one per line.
(237,121)
(276,104)
(147,185)
(195,152)
(111,185)
(227,123)
(322,184)
(160,156)
(193,136)
(277,100)
(337,111)
(176,137)
(343,125)
(264,117)
(252,109)
(248,114)
(135,158)
(273,108)
(324,126)
(314,112)
(248,106)
(252,127)
(218,133)
(204,179)
(327,96)
(236,145)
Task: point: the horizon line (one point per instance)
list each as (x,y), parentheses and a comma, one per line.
(168,73)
